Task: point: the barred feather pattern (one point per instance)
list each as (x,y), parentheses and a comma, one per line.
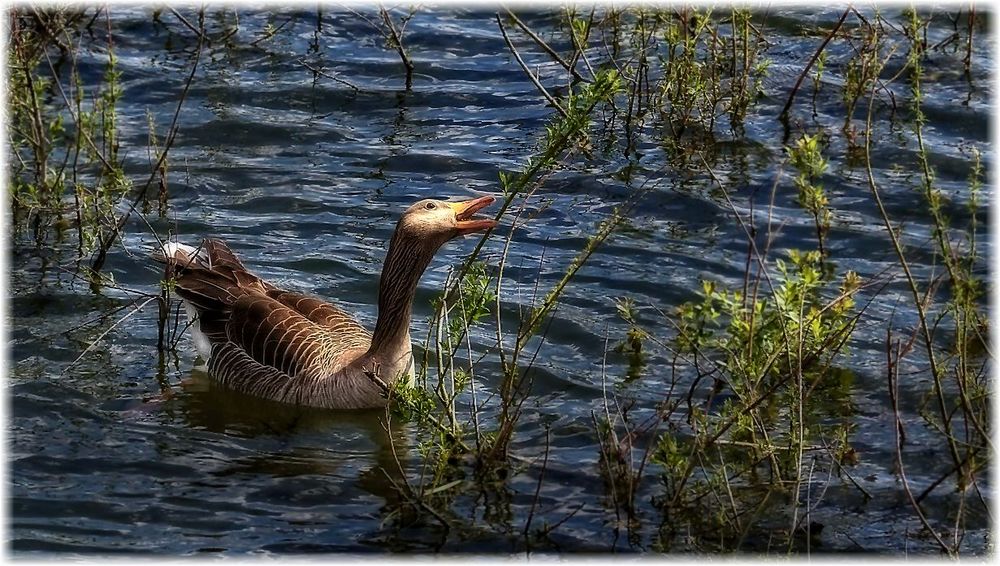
(293,348)
(277,344)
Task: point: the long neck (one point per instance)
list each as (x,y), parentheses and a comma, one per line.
(405,262)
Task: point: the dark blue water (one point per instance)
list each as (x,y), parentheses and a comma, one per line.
(129,451)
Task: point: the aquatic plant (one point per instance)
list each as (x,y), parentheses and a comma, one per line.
(64,140)
(806,157)
(961,409)
(861,72)
(753,416)
(769,355)
(757,405)
(392,33)
(52,121)
(448,401)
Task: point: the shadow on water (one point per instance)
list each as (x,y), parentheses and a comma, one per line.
(184,473)
(313,441)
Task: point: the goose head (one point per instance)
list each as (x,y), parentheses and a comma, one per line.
(434,222)
(421,231)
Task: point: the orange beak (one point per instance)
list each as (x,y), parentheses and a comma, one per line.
(465,210)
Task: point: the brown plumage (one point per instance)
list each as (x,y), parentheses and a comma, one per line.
(293,348)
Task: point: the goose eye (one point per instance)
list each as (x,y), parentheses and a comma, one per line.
(430,206)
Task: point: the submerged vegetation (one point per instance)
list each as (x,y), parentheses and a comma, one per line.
(753,413)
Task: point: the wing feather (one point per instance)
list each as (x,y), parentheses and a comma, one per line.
(322,313)
(277,336)
(262,337)
(219,255)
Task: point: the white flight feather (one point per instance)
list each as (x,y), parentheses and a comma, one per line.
(201,342)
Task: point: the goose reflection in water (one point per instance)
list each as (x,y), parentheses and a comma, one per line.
(320,446)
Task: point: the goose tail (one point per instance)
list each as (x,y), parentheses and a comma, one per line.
(177,252)
(205,280)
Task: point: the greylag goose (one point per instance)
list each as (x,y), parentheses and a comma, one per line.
(293,348)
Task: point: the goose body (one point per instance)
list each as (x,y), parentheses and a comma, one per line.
(293,348)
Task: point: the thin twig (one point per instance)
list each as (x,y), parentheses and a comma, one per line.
(812,60)
(545,47)
(269,34)
(898,428)
(524,67)
(105,333)
(324,74)
(199,32)
(538,486)
(105,244)
(396,38)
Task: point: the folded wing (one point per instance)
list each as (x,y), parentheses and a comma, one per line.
(261,336)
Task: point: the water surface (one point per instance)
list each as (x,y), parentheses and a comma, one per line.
(304,177)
